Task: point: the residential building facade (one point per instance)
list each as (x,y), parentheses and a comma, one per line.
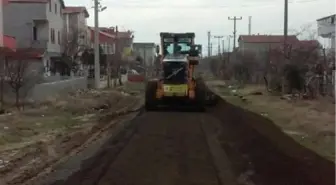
(326,29)
(106,41)
(262,43)
(269,48)
(75,23)
(124,39)
(147,51)
(37,26)
(6,41)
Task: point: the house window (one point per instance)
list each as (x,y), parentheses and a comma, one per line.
(52,35)
(59,37)
(34,33)
(49,6)
(55,8)
(51,32)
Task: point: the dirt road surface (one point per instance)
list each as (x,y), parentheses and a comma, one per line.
(225,145)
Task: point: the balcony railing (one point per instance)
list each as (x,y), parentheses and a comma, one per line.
(39,44)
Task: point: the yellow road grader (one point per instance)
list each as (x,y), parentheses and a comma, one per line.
(176,83)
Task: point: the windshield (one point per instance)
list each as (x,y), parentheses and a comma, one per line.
(185,47)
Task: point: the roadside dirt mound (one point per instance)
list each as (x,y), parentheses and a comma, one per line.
(260,151)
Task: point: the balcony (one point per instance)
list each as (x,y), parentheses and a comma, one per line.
(326,31)
(9,42)
(39,44)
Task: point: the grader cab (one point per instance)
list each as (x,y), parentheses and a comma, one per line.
(176,84)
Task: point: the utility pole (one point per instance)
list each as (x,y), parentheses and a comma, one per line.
(97,8)
(210,49)
(223,50)
(285,26)
(234,29)
(229,44)
(209,44)
(96,45)
(219,43)
(145,63)
(228,54)
(117,53)
(250,25)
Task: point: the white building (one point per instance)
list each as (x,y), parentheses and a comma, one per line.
(75,21)
(37,27)
(146,51)
(326,29)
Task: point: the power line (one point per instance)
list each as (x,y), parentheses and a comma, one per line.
(234,29)
(140,4)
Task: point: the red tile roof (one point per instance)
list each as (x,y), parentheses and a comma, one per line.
(76,9)
(121,34)
(34,1)
(266,38)
(103,36)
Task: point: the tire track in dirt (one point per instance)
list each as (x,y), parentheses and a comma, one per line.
(158,148)
(107,122)
(261,152)
(169,148)
(93,168)
(178,148)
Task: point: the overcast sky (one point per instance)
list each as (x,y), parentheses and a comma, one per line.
(149,17)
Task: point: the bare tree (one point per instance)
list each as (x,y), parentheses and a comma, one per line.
(21,78)
(301,58)
(72,44)
(2,76)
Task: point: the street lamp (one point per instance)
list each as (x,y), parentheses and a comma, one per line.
(103,8)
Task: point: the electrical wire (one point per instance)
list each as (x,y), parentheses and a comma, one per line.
(169,5)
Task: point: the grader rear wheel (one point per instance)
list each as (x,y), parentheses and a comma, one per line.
(200,93)
(150,96)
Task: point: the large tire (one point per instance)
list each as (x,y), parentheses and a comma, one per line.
(150,96)
(200,93)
